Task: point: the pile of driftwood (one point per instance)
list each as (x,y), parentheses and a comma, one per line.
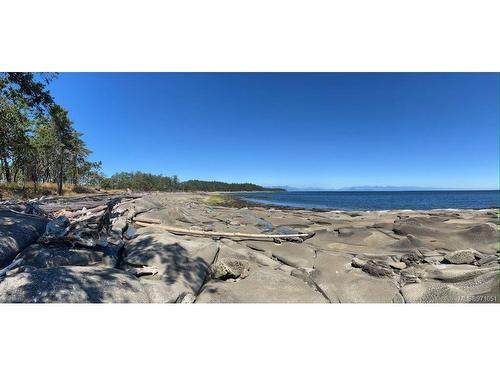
(94,222)
(77,220)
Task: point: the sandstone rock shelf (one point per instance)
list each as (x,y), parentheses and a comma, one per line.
(85,249)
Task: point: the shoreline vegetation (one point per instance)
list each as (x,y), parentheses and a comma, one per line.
(229,200)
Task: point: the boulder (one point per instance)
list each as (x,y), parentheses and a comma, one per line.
(18,231)
(377,269)
(72,285)
(57,227)
(229,268)
(411,258)
(358,262)
(486,260)
(408,277)
(462,256)
(119,225)
(261,286)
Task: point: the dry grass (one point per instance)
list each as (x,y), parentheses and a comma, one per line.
(16,190)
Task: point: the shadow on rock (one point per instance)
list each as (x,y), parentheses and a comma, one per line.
(72,285)
(181,264)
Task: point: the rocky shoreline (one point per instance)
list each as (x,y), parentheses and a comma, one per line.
(91,249)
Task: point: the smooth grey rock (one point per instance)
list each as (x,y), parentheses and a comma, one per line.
(261,286)
(72,285)
(293,254)
(397,265)
(263,259)
(17,231)
(342,283)
(182,262)
(56,255)
(286,269)
(345,232)
(159,292)
(233,249)
(119,225)
(304,274)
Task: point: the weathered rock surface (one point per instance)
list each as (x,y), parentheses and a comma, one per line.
(46,256)
(462,256)
(182,262)
(342,283)
(480,289)
(293,254)
(72,285)
(411,258)
(261,286)
(357,262)
(229,268)
(377,269)
(374,256)
(17,231)
(432,292)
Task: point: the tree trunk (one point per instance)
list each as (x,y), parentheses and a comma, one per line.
(6,170)
(60,179)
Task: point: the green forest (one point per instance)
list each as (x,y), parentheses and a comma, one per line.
(150,182)
(38,145)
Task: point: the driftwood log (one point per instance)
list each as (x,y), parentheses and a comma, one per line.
(156,224)
(11,266)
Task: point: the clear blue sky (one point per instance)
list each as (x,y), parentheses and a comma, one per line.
(320,130)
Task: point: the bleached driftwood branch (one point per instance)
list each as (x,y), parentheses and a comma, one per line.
(155,224)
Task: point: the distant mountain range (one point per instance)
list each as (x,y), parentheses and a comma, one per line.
(364,188)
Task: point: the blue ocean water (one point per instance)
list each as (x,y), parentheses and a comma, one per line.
(378,200)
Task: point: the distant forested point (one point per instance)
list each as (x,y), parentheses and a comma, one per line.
(141,181)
